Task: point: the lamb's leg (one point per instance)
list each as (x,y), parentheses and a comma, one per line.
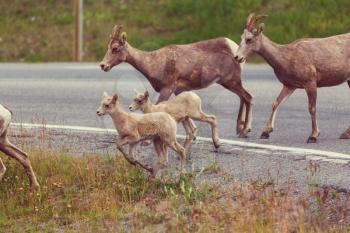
(211,119)
(162,157)
(312,96)
(2,169)
(180,151)
(193,128)
(14,153)
(126,140)
(189,135)
(282,97)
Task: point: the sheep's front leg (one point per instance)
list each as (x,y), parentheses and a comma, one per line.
(282,97)
(129,140)
(165,94)
(312,96)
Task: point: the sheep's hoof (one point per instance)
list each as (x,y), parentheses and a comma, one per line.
(264,135)
(217,144)
(34,188)
(312,139)
(243,134)
(345,136)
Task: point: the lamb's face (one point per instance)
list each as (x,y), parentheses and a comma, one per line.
(139,101)
(108,103)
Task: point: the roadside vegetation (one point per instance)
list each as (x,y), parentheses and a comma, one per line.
(41,31)
(94,193)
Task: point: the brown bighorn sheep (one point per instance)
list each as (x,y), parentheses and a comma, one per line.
(134,128)
(305,63)
(178,68)
(183,107)
(12,151)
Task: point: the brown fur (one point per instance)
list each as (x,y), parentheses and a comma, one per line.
(178,68)
(306,64)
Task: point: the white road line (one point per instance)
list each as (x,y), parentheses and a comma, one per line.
(329,155)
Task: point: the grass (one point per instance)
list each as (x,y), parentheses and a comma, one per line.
(41,31)
(94,193)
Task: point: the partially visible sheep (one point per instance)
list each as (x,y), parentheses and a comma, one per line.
(182,107)
(12,151)
(134,128)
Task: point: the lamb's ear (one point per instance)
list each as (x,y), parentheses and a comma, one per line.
(114,98)
(123,37)
(146,94)
(261,28)
(105,95)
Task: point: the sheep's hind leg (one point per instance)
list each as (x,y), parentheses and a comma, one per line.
(2,169)
(24,161)
(346,134)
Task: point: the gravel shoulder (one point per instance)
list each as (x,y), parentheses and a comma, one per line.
(219,168)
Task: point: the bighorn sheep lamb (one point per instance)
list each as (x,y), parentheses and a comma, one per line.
(12,151)
(182,107)
(178,68)
(305,63)
(134,128)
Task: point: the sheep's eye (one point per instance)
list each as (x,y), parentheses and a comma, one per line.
(107,105)
(248,40)
(115,50)
(139,101)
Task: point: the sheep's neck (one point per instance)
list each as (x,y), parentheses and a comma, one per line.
(119,117)
(148,107)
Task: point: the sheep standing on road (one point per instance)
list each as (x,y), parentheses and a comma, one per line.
(182,107)
(134,128)
(12,151)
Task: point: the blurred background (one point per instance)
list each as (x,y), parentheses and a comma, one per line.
(43,30)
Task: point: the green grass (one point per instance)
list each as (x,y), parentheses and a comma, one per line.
(94,193)
(41,31)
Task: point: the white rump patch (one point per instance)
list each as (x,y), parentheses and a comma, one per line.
(234,48)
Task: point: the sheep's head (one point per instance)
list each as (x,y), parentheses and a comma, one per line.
(116,51)
(108,104)
(139,101)
(251,38)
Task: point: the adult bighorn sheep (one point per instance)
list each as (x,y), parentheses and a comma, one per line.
(178,68)
(12,151)
(305,63)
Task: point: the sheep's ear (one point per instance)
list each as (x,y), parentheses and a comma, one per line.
(114,98)
(146,94)
(261,28)
(105,95)
(123,37)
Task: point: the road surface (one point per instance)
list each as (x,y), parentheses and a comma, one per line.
(69,94)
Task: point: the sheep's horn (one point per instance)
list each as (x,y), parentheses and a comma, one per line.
(250,22)
(117,30)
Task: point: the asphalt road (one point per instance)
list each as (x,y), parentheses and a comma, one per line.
(69,94)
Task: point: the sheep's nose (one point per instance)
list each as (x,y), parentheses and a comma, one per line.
(102,66)
(130,108)
(98,112)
